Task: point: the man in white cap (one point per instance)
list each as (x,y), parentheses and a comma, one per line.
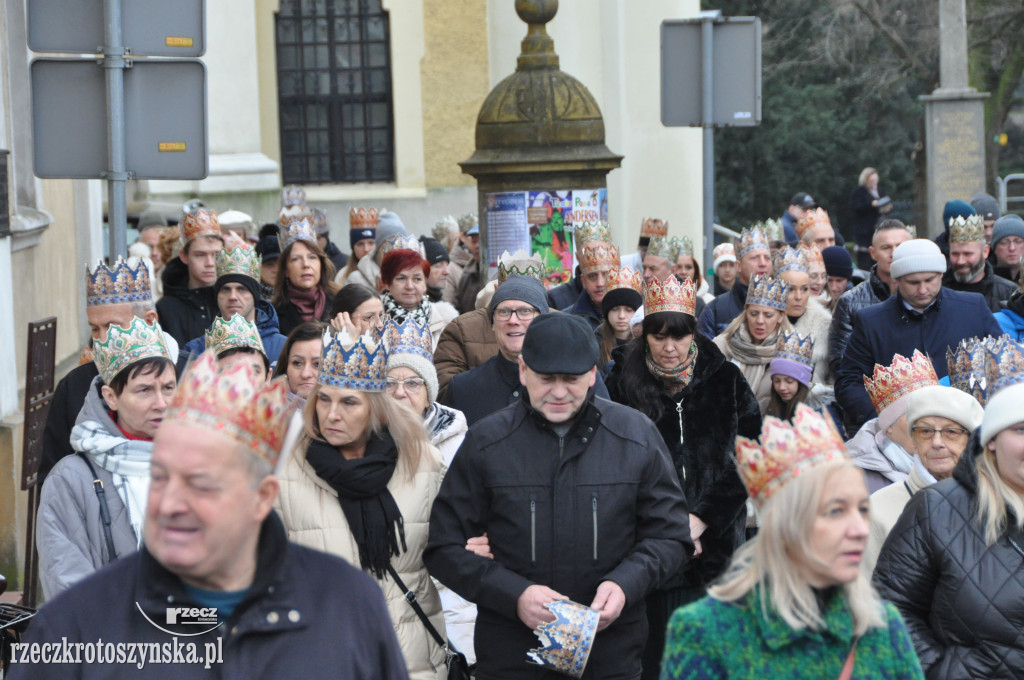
(921,315)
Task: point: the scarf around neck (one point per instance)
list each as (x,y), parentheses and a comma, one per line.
(746,351)
(420,315)
(675,379)
(310,303)
(373,516)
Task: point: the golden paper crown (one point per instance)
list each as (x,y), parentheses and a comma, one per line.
(296,229)
(241,260)
(359,364)
(752,239)
(467,222)
(664,246)
(670,296)
(520,263)
(684,246)
(201,223)
(126,346)
(815,260)
(789,260)
(292,195)
(652,226)
(408,337)
(586,233)
(399,242)
(968,362)
(234,334)
(120,284)
(768,291)
(625,277)
(899,379)
(967,230)
(785,451)
(443,227)
(599,257)
(811,219)
(234,402)
(774,230)
(795,347)
(1004,366)
(363,218)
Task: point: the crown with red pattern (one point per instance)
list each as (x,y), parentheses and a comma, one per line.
(786,451)
(652,226)
(624,277)
(363,218)
(752,239)
(599,257)
(899,379)
(811,219)
(235,402)
(815,260)
(201,223)
(670,296)
(789,260)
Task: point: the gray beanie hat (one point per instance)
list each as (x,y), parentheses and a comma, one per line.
(1002,411)
(525,288)
(945,402)
(986,205)
(150,218)
(1007,225)
(918,255)
(388,225)
(421,365)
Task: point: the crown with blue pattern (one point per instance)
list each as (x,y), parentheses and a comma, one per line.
(118,284)
(789,260)
(1004,366)
(752,239)
(399,242)
(795,347)
(408,337)
(768,291)
(359,364)
(297,229)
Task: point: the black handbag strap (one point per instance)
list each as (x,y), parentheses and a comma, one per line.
(101,495)
(411,598)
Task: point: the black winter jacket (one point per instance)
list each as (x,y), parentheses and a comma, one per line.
(864,294)
(68,398)
(334,254)
(717,405)
(721,311)
(288,316)
(184,312)
(995,289)
(963,601)
(564,296)
(307,615)
(600,503)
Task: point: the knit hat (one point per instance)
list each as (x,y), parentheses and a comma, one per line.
(269,247)
(434,251)
(945,402)
(723,252)
(150,218)
(388,224)
(1007,225)
(986,206)
(1002,411)
(916,256)
(621,296)
(838,261)
(955,208)
(524,288)
(409,346)
(547,338)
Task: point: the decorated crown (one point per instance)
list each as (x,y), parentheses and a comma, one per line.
(813,255)
(768,291)
(234,334)
(201,223)
(232,401)
(663,246)
(292,195)
(1004,366)
(899,379)
(585,233)
(598,257)
(240,260)
(363,218)
(520,263)
(443,227)
(670,296)
(785,451)
(684,246)
(359,364)
(789,260)
(967,365)
(774,230)
(467,222)
(795,347)
(967,230)
(126,346)
(296,229)
(752,239)
(399,242)
(652,226)
(408,337)
(319,220)
(567,640)
(723,249)
(811,219)
(123,283)
(625,277)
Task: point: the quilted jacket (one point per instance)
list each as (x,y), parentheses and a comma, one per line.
(963,601)
(864,294)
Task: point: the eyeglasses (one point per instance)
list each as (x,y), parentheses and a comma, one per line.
(523,313)
(950,435)
(411,385)
(1010,242)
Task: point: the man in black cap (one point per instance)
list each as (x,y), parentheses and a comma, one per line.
(437,255)
(579,500)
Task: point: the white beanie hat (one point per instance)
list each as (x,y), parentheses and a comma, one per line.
(915,256)
(945,402)
(421,366)
(1003,410)
(723,252)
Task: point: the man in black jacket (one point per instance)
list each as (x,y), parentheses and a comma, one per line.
(969,270)
(189,304)
(579,501)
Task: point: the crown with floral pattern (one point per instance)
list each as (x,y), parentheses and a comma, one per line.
(399,242)
(752,239)
(296,229)
(292,195)
(684,246)
(240,260)
(520,263)
(795,347)
(598,257)
(785,451)
(1004,366)
(202,222)
(899,379)
(117,285)
(126,346)
(724,250)
(363,218)
(967,364)
(443,227)
(812,218)
(670,296)
(408,337)
(774,230)
(768,291)
(664,246)
(359,364)
(624,277)
(235,333)
(585,233)
(235,402)
(789,260)
(970,229)
(815,260)
(652,226)
(467,222)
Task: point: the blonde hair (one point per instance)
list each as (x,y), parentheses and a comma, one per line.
(994,496)
(864,174)
(769,560)
(741,319)
(405,427)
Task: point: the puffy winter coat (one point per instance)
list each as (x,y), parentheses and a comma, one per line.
(1011,319)
(864,294)
(995,289)
(184,312)
(865,448)
(722,310)
(313,517)
(266,324)
(963,600)
(816,322)
(465,343)
(887,505)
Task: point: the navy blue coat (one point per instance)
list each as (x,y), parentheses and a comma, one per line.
(266,324)
(586,309)
(881,331)
(722,310)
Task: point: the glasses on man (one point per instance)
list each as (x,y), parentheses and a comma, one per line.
(410,385)
(950,435)
(523,313)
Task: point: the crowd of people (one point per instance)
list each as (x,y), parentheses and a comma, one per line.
(386,464)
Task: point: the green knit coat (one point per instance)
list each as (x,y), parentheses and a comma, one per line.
(714,640)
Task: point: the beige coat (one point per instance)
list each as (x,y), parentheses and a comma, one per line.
(313,517)
(886,507)
(441,314)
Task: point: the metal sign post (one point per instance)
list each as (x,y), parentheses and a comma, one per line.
(707,91)
(116,176)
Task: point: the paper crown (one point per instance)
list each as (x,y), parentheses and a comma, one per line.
(815,260)
(599,257)
(120,284)
(585,233)
(408,337)
(785,451)
(788,260)
(899,379)
(967,365)
(795,347)
(201,223)
(567,640)
(319,220)
(967,230)
(126,346)
(235,333)
(625,277)
(232,401)
(768,291)
(363,218)
(399,242)
(670,296)
(359,364)
(652,226)
(663,246)
(296,229)
(241,260)
(811,219)
(684,246)
(520,263)
(752,239)
(292,195)
(467,222)
(443,227)
(1004,366)
(723,250)
(774,230)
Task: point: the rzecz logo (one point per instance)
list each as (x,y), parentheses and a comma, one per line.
(186,616)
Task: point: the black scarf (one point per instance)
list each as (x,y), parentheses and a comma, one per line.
(361,483)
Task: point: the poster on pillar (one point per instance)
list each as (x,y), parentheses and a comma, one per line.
(541,222)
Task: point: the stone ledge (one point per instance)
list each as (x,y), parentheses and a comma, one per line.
(27,227)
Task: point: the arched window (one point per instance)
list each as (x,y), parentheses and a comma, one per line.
(334,91)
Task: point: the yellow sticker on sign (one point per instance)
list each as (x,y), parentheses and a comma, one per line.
(175,41)
(171,146)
